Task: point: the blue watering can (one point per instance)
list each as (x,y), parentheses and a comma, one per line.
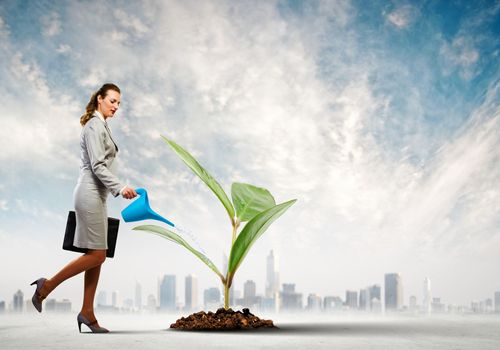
(139,209)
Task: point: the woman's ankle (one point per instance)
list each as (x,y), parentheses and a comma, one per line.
(88,313)
(46,288)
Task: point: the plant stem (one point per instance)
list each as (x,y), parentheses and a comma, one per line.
(226,295)
(235,228)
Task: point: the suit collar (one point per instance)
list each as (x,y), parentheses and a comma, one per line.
(99,115)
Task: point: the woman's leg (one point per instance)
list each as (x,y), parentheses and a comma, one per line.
(89,260)
(91,280)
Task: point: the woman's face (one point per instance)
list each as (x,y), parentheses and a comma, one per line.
(108,105)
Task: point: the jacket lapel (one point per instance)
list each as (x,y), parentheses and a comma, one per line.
(109,133)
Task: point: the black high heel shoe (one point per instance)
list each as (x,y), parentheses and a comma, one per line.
(92,325)
(37,297)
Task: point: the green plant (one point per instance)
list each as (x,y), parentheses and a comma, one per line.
(253,205)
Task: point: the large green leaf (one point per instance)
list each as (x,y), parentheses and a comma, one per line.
(203,175)
(250,200)
(174,237)
(252,231)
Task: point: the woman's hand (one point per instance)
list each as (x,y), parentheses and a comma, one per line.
(129,193)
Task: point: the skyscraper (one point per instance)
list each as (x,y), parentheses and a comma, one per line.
(167,293)
(18,302)
(393,292)
(351,299)
(151,305)
(102,298)
(375,298)
(290,300)
(426,297)
(272,276)
(191,292)
(211,298)
(115,299)
(138,296)
(413,303)
(249,293)
(332,303)
(314,302)
(364,299)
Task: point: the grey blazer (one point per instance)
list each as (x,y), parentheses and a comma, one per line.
(98,152)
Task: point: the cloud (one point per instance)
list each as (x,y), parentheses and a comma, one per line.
(473,44)
(129,21)
(51,24)
(294,102)
(29,128)
(63,48)
(403,16)
(460,55)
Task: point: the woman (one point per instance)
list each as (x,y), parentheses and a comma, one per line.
(97,179)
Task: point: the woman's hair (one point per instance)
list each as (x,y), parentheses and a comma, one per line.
(92,105)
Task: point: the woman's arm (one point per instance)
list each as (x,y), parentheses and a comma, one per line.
(94,136)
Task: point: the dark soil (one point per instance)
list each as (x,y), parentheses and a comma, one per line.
(222,320)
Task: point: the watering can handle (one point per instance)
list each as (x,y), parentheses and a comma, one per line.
(141,191)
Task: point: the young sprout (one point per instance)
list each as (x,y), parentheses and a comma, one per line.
(250,204)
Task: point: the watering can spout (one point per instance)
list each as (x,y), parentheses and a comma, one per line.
(140,210)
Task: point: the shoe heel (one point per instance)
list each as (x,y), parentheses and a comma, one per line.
(80,326)
(32,284)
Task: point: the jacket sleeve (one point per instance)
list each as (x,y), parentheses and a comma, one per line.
(94,139)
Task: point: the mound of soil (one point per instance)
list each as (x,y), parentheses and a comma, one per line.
(222,320)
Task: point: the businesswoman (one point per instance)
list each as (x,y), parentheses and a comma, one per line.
(97,179)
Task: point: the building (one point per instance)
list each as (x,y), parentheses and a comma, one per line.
(191,292)
(151,303)
(497,302)
(211,298)
(102,298)
(269,304)
(249,293)
(167,293)
(413,303)
(272,276)
(17,303)
(364,299)
(331,303)
(128,304)
(488,303)
(393,292)
(138,296)
(52,305)
(289,299)
(376,305)
(427,297)
(313,302)
(351,299)
(115,299)
(374,296)
(437,305)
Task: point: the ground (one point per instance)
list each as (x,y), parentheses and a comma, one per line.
(60,331)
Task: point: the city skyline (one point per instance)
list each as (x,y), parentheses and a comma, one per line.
(373,298)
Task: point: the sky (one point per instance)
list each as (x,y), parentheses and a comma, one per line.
(381,118)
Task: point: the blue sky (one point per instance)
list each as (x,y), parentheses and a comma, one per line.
(381,117)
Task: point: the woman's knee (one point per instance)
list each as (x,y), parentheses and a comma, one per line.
(98,255)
